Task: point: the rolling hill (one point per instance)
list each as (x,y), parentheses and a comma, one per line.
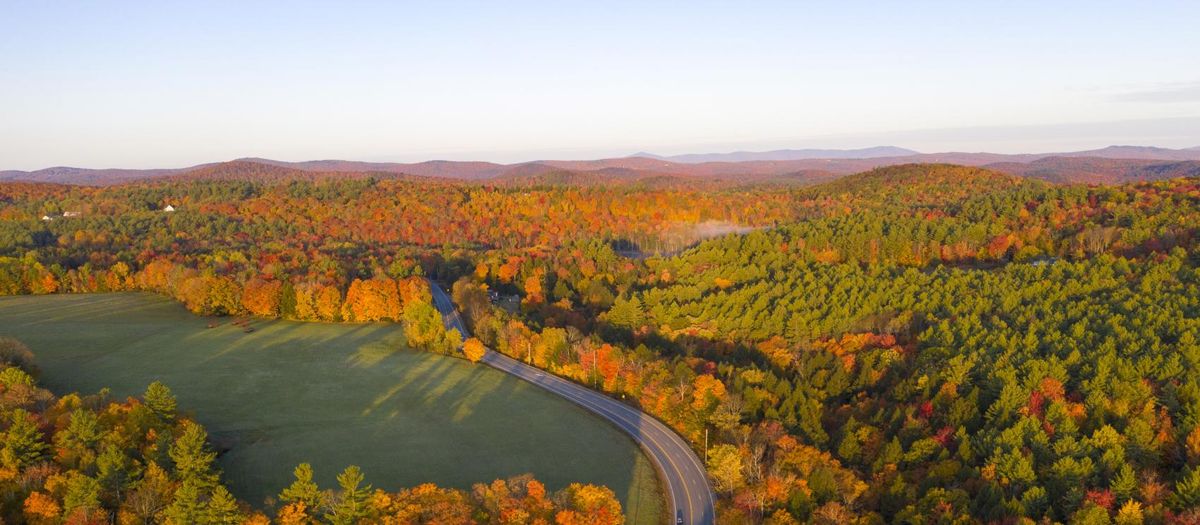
(1099,170)
(433,168)
(1105,165)
(1138,152)
(85,176)
(785,154)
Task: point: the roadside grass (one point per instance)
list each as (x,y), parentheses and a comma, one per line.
(329,394)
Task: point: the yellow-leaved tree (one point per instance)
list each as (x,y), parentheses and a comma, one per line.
(473,349)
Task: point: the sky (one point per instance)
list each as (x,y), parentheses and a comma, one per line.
(172,84)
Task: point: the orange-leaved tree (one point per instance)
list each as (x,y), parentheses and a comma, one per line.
(473,349)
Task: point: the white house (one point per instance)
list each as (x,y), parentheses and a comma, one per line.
(47,218)
(169,208)
(71,214)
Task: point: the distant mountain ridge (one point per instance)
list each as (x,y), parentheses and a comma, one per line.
(470,170)
(86,176)
(892,152)
(1099,170)
(1092,166)
(785,154)
(1136,152)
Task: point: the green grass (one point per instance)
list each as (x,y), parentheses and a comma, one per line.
(329,394)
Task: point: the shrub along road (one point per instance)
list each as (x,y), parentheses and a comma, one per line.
(682,472)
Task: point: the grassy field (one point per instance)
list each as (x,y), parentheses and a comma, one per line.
(329,394)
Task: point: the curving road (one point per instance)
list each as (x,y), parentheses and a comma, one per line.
(682,473)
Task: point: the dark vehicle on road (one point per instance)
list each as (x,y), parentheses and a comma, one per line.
(678,516)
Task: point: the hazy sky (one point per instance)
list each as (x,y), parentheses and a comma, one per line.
(164,84)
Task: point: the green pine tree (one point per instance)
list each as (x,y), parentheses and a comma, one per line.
(160,400)
(83,492)
(1090,514)
(80,438)
(223,508)
(193,460)
(1124,485)
(112,471)
(626,313)
(304,489)
(1187,490)
(23,442)
(287,301)
(351,506)
(186,508)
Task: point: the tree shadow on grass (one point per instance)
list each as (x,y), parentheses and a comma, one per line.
(80,307)
(266,394)
(629,426)
(482,393)
(281,336)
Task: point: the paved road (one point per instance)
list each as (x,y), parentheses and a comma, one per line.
(682,473)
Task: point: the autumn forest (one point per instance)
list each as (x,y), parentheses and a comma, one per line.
(920,343)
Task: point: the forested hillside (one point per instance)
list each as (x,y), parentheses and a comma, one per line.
(947,345)
(917,343)
(1029,390)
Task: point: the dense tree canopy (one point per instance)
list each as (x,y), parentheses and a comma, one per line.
(911,344)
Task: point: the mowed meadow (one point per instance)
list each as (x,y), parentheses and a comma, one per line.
(329,394)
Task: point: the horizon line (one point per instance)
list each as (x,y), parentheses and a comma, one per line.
(639,154)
